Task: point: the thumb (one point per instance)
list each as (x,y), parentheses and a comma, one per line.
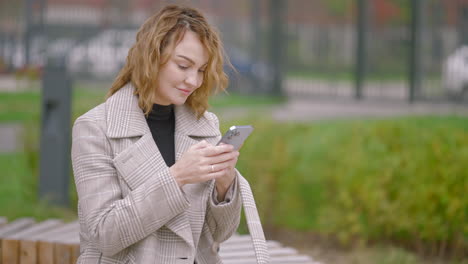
(201,144)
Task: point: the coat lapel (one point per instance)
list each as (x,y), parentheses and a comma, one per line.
(125,119)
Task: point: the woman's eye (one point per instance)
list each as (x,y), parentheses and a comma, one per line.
(183,67)
(201,71)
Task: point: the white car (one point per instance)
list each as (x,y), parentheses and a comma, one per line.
(455,73)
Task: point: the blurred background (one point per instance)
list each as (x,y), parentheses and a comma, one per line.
(360,149)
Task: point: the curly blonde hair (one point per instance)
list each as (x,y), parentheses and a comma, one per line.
(156,40)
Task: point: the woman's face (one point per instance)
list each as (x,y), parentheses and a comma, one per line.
(183,73)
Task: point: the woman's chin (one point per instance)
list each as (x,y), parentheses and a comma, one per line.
(179,101)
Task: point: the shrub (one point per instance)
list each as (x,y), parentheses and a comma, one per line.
(401,180)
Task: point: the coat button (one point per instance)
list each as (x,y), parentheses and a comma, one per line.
(215,247)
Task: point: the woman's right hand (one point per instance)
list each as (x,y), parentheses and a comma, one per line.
(203,162)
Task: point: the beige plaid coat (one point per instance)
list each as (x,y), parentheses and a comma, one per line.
(130,208)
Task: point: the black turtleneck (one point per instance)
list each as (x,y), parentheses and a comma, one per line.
(161,122)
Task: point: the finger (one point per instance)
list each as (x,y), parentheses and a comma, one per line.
(212,175)
(216,150)
(222,157)
(222,143)
(229,164)
(201,144)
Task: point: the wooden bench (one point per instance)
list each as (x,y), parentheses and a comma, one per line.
(25,241)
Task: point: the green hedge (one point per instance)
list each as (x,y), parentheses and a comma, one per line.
(401,180)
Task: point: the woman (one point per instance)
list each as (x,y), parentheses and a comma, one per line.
(153,187)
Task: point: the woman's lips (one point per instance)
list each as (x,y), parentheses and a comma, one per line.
(187,92)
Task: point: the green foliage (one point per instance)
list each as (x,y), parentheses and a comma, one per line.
(19,106)
(28,73)
(18,191)
(398,180)
(403,181)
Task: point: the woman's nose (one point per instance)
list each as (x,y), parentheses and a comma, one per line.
(193,79)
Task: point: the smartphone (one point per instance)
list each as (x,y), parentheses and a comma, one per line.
(236,135)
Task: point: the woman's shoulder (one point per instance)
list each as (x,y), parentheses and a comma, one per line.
(210,116)
(213,120)
(96,114)
(189,116)
(91,121)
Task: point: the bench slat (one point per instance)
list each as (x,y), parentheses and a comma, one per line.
(46,252)
(53,242)
(28,252)
(10,250)
(75,253)
(49,252)
(247,246)
(35,229)
(72,227)
(14,226)
(12,242)
(62,254)
(27,244)
(274,260)
(11,228)
(251,253)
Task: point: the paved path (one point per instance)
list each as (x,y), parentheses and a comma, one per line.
(344,89)
(324,99)
(315,109)
(306,110)
(9,83)
(315,99)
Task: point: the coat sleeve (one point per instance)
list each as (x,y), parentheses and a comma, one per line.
(229,194)
(223,218)
(112,222)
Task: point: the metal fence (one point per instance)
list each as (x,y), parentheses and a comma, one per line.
(382,49)
(391,49)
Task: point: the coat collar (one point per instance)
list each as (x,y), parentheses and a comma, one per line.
(126,119)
